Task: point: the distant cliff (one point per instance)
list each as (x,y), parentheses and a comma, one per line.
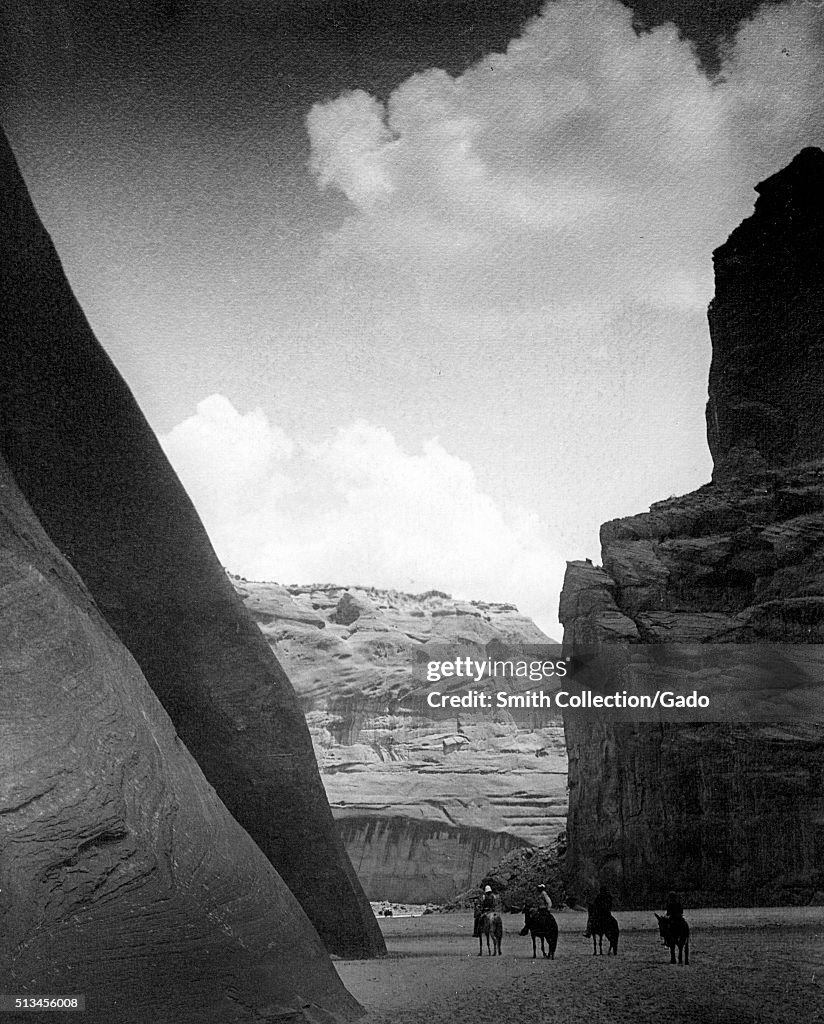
(426,800)
(725,812)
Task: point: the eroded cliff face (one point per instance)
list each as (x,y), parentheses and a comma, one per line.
(427,801)
(725,812)
(408,861)
(122,875)
(93,472)
(767,373)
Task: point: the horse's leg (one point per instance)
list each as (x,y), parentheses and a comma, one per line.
(594,944)
(535,948)
(687,952)
(672,953)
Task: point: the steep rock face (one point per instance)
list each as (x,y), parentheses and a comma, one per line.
(96,478)
(408,861)
(723,812)
(427,800)
(767,373)
(122,875)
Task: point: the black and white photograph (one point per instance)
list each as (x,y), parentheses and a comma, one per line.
(412,511)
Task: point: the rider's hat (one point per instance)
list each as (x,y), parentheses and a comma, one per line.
(488,889)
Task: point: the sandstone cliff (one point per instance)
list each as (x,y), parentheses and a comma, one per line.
(122,875)
(427,801)
(724,812)
(95,476)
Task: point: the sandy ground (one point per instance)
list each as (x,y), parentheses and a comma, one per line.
(746,967)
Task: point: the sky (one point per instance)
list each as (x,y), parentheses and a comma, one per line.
(414,295)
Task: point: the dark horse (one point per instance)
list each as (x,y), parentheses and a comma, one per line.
(542,925)
(675,932)
(490,923)
(599,925)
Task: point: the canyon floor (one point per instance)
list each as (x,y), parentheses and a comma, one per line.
(747,966)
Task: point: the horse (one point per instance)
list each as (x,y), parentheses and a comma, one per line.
(599,925)
(675,932)
(490,923)
(541,924)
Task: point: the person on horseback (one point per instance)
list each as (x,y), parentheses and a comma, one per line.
(675,908)
(544,899)
(603,903)
(486,903)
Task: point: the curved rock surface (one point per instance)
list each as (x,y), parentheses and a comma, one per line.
(726,812)
(122,875)
(96,478)
(427,800)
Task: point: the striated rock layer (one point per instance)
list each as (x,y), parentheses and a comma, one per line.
(427,800)
(122,875)
(408,861)
(725,812)
(96,478)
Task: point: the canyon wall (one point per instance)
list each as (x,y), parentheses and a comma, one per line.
(123,875)
(427,800)
(123,878)
(93,472)
(725,812)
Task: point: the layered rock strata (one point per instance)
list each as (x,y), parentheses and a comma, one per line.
(95,476)
(427,800)
(123,878)
(725,812)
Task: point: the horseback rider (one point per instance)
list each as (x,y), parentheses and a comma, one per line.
(544,899)
(675,908)
(602,905)
(485,904)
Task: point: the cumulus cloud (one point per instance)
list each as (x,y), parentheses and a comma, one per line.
(526,259)
(356,508)
(245,453)
(350,143)
(601,158)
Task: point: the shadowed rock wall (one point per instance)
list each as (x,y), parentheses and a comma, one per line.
(122,875)
(96,478)
(725,812)
(767,374)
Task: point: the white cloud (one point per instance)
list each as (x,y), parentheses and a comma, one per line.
(587,156)
(230,464)
(358,509)
(539,228)
(350,142)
